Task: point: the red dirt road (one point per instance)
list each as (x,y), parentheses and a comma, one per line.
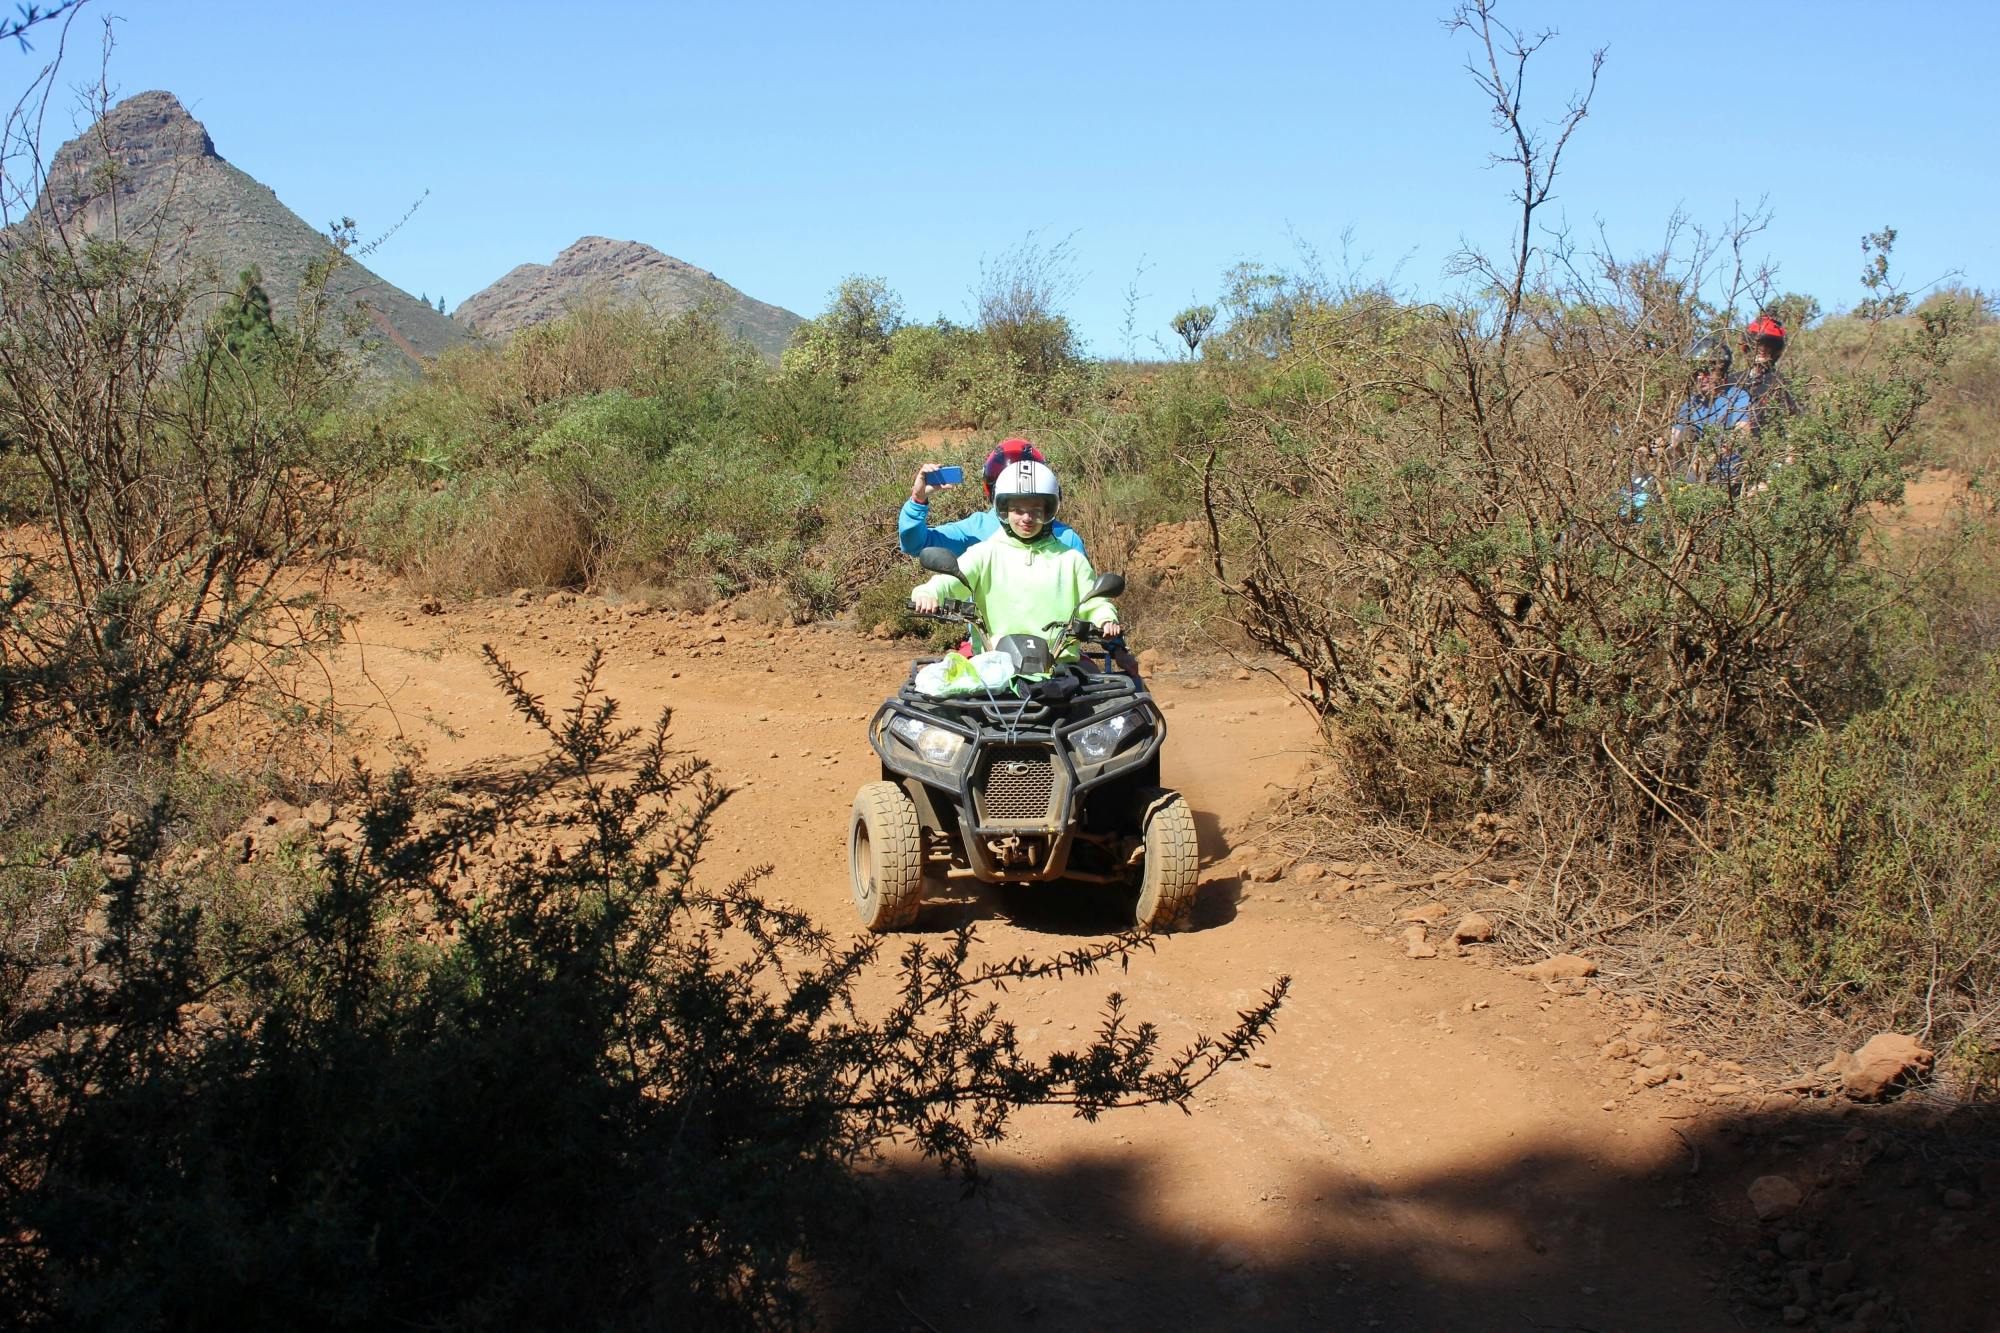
(1423,1144)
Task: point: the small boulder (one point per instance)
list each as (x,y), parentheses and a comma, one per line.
(1264,872)
(1774,1196)
(1883,1063)
(1311,872)
(318,815)
(1472,928)
(272,812)
(1426,913)
(1416,945)
(1562,966)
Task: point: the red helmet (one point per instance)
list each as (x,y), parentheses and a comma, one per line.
(1767,333)
(1010,451)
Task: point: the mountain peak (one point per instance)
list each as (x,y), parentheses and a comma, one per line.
(599,268)
(148,172)
(146,132)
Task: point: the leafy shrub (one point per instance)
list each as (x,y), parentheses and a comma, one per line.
(850,335)
(1872,870)
(510,1064)
(887,603)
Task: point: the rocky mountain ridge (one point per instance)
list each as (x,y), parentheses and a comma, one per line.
(150,169)
(597,268)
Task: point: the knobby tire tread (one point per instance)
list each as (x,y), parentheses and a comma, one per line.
(896,844)
(1172,868)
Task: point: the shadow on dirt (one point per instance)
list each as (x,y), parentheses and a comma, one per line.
(1899,1229)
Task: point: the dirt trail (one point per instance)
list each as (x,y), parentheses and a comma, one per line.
(1424,1144)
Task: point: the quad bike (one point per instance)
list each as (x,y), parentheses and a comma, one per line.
(1033,781)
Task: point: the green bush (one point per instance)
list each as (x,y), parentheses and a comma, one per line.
(1872,869)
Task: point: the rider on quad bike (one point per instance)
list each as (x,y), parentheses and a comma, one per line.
(1034,761)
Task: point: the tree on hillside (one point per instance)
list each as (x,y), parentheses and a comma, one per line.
(244,325)
(1193,324)
(851,334)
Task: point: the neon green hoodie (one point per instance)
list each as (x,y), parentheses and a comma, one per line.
(1021,586)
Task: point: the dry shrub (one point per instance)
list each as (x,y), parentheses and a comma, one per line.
(1438,531)
(524,535)
(179,474)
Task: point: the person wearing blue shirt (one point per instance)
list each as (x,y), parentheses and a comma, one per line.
(913,530)
(1714,422)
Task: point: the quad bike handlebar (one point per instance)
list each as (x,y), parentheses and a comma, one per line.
(953,611)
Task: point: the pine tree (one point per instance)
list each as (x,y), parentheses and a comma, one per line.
(244,324)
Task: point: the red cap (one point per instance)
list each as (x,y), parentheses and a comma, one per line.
(1009,451)
(1765,327)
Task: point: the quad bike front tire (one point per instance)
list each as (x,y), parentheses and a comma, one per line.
(1171,870)
(885,857)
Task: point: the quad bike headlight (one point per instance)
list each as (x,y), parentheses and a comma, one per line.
(934,745)
(1097,742)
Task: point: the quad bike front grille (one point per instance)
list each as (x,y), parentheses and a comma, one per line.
(1014,785)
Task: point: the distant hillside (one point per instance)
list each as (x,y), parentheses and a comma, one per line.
(620,272)
(163,159)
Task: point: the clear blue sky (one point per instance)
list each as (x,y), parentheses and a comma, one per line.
(786,145)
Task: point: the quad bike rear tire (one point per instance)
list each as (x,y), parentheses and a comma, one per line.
(885,857)
(1171,870)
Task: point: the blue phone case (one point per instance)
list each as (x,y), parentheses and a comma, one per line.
(945,476)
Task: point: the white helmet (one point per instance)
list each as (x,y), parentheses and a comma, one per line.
(1026,477)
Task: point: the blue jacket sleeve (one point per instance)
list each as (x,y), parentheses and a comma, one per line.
(1065,534)
(912,525)
(914,533)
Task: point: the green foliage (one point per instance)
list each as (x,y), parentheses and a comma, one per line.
(1884,299)
(1260,309)
(851,334)
(886,602)
(244,325)
(484,1078)
(1431,527)
(1193,324)
(1872,869)
(611,447)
